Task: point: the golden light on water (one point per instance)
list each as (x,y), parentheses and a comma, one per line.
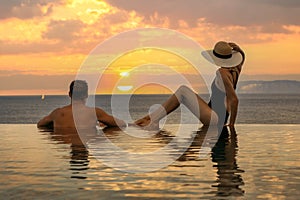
(124,74)
(125,88)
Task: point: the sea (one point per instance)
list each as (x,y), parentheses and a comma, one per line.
(258,159)
(253,108)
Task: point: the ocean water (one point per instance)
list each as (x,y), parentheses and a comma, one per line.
(253,108)
(255,162)
(260,160)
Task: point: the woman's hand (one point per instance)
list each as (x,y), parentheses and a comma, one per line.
(234,46)
(237,48)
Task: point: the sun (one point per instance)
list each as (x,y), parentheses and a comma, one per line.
(124,74)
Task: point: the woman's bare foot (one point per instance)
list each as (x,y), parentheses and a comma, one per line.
(147,124)
(143,121)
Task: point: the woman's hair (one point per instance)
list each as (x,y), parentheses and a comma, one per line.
(78,90)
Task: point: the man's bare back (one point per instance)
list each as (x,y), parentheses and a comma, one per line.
(85,117)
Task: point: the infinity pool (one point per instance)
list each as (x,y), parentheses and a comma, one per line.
(256,162)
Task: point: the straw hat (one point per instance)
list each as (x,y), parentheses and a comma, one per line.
(223,55)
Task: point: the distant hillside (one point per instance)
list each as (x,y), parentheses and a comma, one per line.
(278,86)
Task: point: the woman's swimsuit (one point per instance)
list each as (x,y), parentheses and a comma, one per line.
(217,99)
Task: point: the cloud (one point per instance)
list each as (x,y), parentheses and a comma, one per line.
(80,26)
(4,73)
(223,13)
(26,9)
(35,82)
(281,3)
(25,12)
(59,36)
(275,28)
(63,30)
(115,18)
(18,48)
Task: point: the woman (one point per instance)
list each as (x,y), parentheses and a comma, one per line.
(223,102)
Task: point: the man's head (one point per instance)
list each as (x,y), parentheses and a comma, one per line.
(78,90)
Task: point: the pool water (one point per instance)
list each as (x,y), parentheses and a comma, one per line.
(255,162)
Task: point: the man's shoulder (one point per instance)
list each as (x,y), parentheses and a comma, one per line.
(55,112)
(97,108)
(99,111)
(61,109)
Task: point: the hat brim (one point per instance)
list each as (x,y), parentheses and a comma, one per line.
(235,60)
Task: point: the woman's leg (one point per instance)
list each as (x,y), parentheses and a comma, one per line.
(187,97)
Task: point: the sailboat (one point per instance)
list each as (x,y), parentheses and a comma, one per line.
(43,97)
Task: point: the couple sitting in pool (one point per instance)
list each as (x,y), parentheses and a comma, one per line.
(223,102)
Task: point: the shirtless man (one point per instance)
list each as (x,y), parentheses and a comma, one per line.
(85,116)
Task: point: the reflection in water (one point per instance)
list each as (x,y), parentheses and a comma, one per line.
(224,156)
(79,161)
(37,166)
(79,155)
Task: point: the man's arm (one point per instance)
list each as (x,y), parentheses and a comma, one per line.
(109,120)
(231,97)
(47,121)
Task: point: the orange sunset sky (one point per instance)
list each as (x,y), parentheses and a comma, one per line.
(45,42)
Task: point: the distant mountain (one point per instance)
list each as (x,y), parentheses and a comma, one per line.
(278,86)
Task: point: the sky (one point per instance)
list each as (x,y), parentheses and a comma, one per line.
(44,43)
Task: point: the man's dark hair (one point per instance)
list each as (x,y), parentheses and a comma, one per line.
(78,90)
